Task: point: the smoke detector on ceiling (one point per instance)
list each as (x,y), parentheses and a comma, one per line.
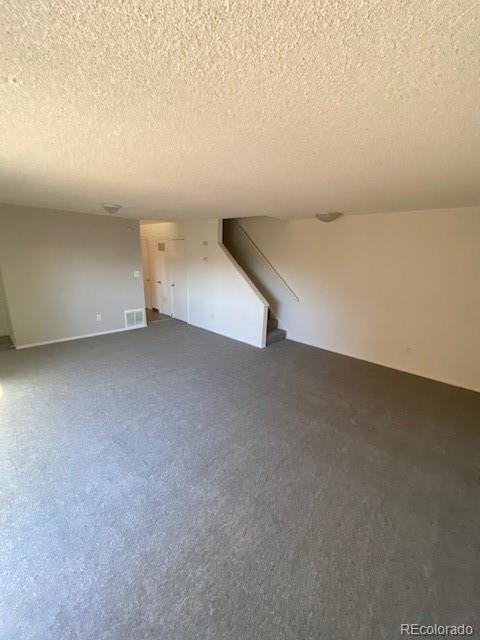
(330,216)
(112,208)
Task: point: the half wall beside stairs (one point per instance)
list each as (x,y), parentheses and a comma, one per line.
(260,271)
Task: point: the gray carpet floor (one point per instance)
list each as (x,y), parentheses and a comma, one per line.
(169,483)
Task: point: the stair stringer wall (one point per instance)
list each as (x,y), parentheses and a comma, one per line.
(254,265)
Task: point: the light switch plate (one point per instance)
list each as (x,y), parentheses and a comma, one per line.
(136,274)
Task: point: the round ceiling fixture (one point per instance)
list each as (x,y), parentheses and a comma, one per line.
(330,216)
(112,208)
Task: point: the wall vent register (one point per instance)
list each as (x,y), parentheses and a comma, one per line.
(134,318)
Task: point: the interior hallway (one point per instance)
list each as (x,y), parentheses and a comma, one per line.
(168,479)
(155,316)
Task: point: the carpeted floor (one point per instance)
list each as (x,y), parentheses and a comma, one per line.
(171,484)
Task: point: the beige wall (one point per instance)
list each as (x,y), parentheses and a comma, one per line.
(220,298)
(4,319)
(61,268)
(401,289)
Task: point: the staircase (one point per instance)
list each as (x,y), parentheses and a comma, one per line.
(261,272)
(274,334)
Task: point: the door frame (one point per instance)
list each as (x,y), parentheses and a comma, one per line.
(146,262)
(152,242)
(172,284)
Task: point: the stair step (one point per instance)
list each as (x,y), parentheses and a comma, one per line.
(275,335)
(272,323)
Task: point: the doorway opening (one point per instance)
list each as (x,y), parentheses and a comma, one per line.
(153,315)
(164,274)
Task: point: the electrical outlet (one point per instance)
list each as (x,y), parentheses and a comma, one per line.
(99,317)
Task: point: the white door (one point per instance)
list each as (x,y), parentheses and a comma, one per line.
(159,276)
(178,279)
(146,273)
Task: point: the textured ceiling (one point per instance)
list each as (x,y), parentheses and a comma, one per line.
(198,108)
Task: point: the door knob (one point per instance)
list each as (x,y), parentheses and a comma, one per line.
(172,285)
(159,282)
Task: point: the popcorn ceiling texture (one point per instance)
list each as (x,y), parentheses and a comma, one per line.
(184,109)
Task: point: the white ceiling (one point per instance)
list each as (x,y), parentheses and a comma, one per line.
(222,108)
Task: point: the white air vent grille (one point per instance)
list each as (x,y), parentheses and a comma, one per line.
(134,318)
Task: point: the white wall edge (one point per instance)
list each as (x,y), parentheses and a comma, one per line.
(85,335)
(247,281)
(254,290)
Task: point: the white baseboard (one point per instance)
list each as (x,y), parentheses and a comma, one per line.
(85,335)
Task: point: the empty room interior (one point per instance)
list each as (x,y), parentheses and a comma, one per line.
(239,320)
